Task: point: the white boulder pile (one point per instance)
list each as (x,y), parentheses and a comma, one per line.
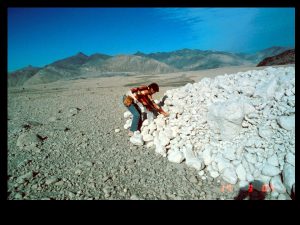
(239,127)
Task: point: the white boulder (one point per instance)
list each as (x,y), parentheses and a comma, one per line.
(229,176)
(287,122)
(175,156)
(277,185)
(270,170)
(288,176)
(137,139)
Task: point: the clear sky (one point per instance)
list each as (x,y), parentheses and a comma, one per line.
(39,36)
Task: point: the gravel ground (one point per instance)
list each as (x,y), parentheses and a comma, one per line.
(62,144)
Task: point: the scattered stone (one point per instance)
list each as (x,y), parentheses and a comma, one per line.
(52,119)
(193,179)
(78,171)
(24,177)
(34,123)
(51,180)
(18,196)
(59,183)
(134,197)
(88,163)
(27,139)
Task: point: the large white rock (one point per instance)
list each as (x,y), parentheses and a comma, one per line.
(127,124)
(192,160)
(265,132)
(290,158)
(147,137)
(249,177)
(164,140)
(264,179)
(160,122)
(277,185)
(248,108)
(169,133)
(287,122)
(273,160)
(229,152)
(214,174)
(226,117)
(266,89)
(229,175)
(241,172)
(175,156)
(222,164)
(288,176)
(160,149)
(206,155)
(251,158)
(270,170)
(137,139)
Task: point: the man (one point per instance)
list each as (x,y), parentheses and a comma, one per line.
(143,95)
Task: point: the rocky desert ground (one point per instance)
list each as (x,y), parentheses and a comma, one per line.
(66,140)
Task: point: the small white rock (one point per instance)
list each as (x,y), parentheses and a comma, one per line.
(229,176)
(175,156)
(287,122)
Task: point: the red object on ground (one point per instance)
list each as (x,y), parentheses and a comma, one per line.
(250,189)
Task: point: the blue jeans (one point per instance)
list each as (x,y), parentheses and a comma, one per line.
(136,112)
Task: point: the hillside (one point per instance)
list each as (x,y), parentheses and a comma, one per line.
(287,57)
(132,63)
(61,69)
(268,52)
(19,77)
(189,59)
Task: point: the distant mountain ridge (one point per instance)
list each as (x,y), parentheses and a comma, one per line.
(81,65)
(193,59)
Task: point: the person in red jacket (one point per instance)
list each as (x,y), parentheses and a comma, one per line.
(142,94)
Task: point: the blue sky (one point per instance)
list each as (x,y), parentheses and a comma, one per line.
(39,36)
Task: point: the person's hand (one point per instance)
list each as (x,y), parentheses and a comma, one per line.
(166,114)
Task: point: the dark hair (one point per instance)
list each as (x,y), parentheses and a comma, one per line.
(154,86)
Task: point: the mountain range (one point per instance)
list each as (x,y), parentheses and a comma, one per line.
(81,65)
